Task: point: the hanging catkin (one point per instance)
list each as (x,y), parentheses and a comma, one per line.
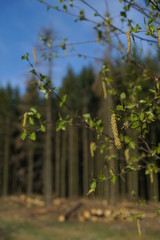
(104,90)
(129,40)
(34,55)
(115,131)
(139,227)
(25,119)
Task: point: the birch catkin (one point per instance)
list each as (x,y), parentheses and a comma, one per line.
(115,131)
(25,119)
(34,55)
(129,40)
(139,227)
(104,90)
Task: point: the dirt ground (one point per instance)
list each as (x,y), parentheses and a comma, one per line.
(23,217)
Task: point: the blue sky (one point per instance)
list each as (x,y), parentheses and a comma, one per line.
(21,23)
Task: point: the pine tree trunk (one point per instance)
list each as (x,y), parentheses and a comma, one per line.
(48,159)
(63,164)
(113,164)
(122,180)
(58,163)
(133,176)
(91,168)
(14,178)
(30,169)
(6,157)
(85,160)
(153,186)
(73,162)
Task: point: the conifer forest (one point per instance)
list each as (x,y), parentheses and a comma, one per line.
(94,135)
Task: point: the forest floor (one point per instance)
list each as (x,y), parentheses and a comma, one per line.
(26,218)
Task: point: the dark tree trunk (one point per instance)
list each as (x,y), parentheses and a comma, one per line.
(30,169)
(63,164)
(58,164)
(6,157)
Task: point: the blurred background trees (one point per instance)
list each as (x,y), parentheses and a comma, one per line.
(22,164)
(64,163)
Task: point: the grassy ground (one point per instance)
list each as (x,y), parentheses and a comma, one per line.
(31,230)
(19,223)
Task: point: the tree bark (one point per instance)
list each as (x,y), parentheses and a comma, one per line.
(6,157)
(85,161)
(30,169)
(73,162)
(58,163)
(48,159)
(63,164)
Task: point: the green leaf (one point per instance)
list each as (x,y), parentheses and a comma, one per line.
(152,91)
(142,101)
(123,96)
(61,125)
(32,136)
(33,71)
(158,148)
(123,14)
(130,106)
(132,145)
(65,8)
(31,121)
(81,14)
(134,117)
(113,176)
(141,116)
(23,58)
(119,108)
(38,115)
(135,124)
(23,135)
(33,109)
(101,176)
(63,100)
(136,29)
(127,139)
(43,129)
(92,187)
(134,159)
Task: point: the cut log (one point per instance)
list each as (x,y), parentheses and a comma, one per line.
(86,214)
(107,212)
(63,217)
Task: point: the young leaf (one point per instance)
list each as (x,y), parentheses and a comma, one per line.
(119,108)
(132,145)
(43,129)
(31,121)
(135,124)
(63,100)
(23,135)
(32,136)
(92,187)
(113,176)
